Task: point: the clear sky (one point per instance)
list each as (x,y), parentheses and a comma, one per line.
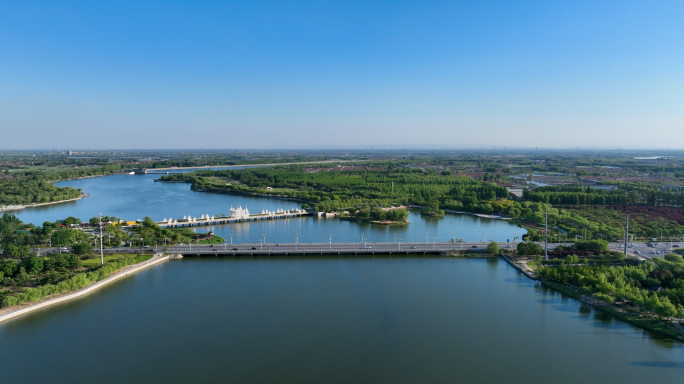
(330,74)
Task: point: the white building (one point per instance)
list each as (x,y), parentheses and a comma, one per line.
(239,213)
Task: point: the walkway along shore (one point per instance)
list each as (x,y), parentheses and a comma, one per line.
(525,272)
(131,269)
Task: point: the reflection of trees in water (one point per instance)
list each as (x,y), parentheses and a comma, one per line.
(603,317)
(585,309)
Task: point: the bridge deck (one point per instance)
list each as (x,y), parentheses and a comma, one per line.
(325,249)
(228,220)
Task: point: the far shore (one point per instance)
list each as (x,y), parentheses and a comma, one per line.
(255,165)
(19,207)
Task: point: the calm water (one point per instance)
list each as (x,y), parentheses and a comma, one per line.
(134,197)
(328,320)
(336,320)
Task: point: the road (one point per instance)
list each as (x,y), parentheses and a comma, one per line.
(640,249)
(353,248)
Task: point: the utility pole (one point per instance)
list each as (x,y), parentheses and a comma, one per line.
(101,250)
(626,232)
(546,236)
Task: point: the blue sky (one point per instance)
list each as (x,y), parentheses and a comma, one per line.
(330,74)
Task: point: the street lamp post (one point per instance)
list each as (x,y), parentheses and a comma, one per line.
(576,236)
(361,237)
(426,237)
(400,243)
(454,237)
(261,244)
(296,241)
(231,239)
(330,240)
(433,243)
(264,238)
(101,249)
(395,237)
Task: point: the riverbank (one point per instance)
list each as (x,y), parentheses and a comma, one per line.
(20,207)
(497,217)
(242,193)
(255,165)
(522,267)
(645,320)
(11,312)
(379,222)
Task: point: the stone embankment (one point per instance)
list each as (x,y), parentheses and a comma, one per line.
(515,265)
(131,269)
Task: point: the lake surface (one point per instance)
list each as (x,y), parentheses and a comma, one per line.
(331,320)
(132,197)
(313,320)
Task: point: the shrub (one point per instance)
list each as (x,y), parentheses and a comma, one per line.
(604,298)
(493,248)
(525,249)
(592,245)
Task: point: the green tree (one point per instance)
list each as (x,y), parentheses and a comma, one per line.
(528,249)
(17,252)
(8,267)
(666,308)
(72,220)
(82,248)
(572,259)
(22,276)
(33,265)
(63,236)
(603,297)
(592,245)
(493,248)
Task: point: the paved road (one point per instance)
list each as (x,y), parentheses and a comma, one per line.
(353,248)
(659,250)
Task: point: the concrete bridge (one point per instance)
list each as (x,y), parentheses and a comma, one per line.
(329,248)
(302,249)
(228,219)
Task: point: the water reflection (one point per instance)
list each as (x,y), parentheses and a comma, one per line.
(585,309)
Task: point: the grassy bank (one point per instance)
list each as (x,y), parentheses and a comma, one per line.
(645,321)
(73,282)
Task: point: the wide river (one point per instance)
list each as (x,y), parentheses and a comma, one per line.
(319,320)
